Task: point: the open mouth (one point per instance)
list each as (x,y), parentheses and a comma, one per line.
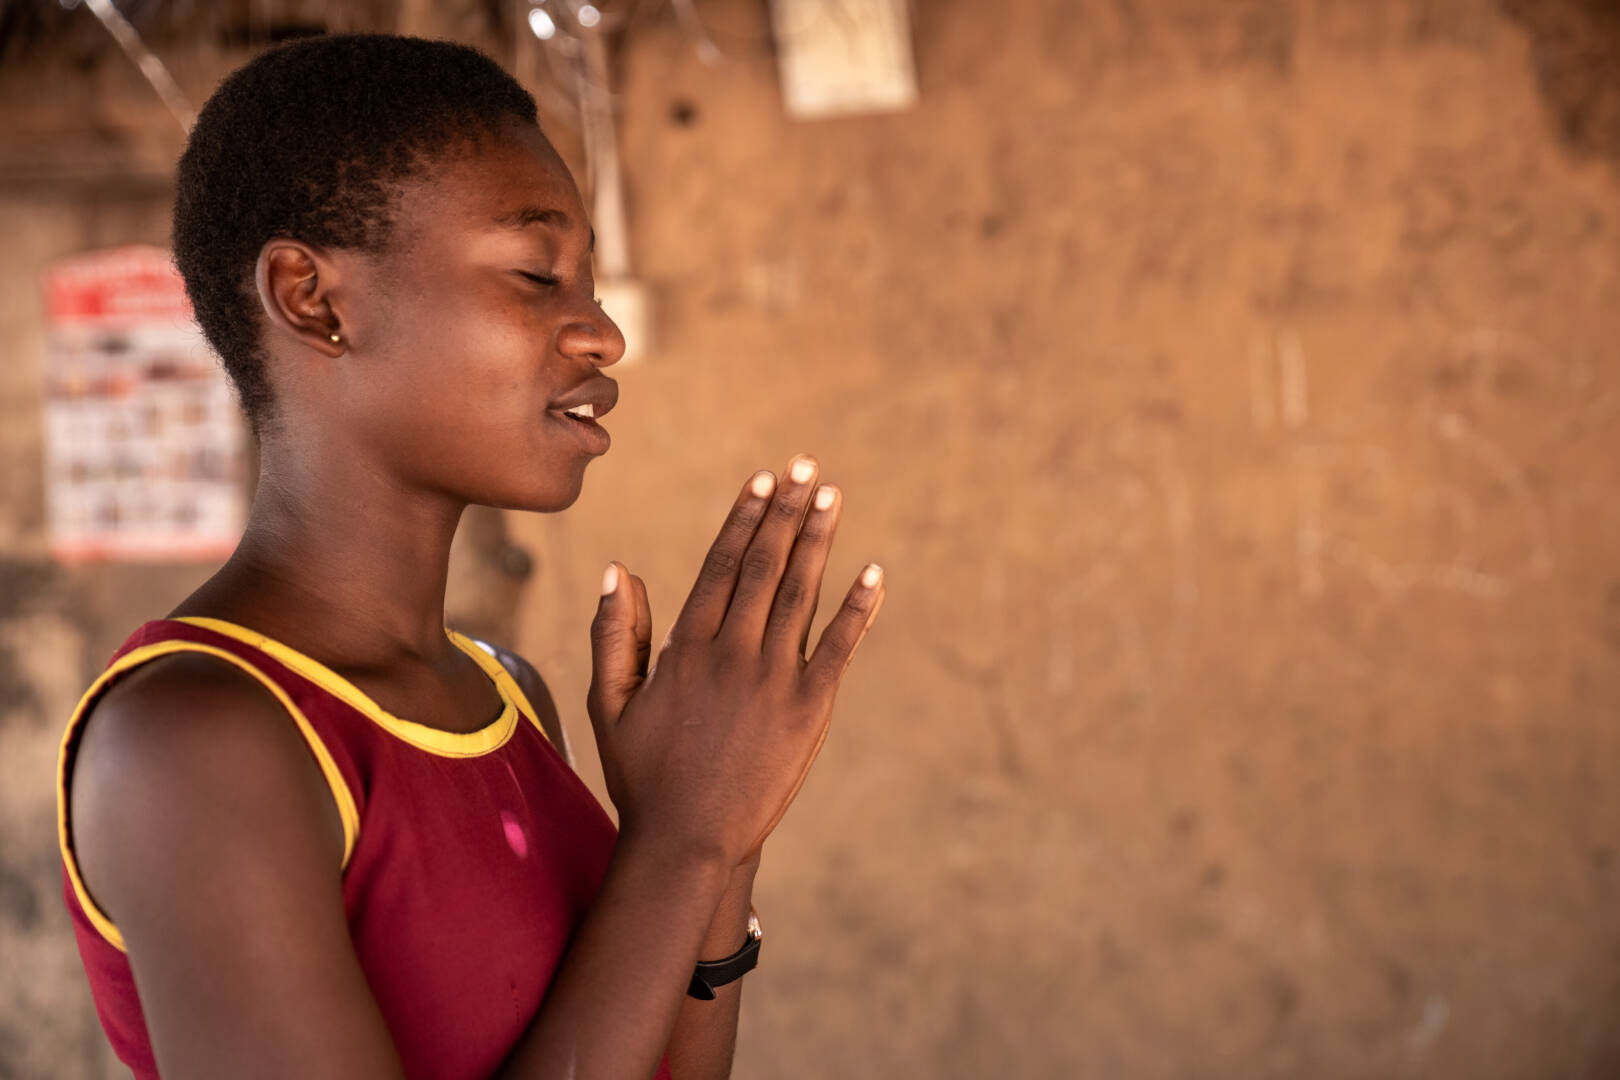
(593,436)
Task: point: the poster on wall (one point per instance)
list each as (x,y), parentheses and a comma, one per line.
(144,446)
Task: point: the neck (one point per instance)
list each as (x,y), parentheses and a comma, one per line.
(341,546)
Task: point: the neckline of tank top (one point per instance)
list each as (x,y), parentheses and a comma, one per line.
(455,744)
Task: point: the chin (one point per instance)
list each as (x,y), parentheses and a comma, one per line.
(559,494)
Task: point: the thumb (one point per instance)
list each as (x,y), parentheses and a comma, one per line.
(615,665)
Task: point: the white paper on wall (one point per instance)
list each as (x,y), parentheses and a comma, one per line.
(844,56)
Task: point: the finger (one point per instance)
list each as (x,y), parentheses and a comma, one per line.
(614,674)
(846,629)
(760,573)
(795,605)
(643,625)
(804,638)
(705,607)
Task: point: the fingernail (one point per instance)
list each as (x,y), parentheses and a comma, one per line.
(871,575)
(762,484)
(610,579)
(824,497)
(803,469)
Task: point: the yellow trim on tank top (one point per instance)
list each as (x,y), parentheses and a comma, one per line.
(347,812)
(486,659)
(455,744)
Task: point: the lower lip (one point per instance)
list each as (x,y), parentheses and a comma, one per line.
(591,435)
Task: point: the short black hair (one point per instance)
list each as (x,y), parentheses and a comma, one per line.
(312,140)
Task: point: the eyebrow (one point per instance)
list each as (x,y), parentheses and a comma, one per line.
(536,215)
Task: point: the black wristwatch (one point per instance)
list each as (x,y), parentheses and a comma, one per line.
(713,973)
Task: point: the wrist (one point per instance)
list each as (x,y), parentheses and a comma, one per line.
(678,863)
(729,927)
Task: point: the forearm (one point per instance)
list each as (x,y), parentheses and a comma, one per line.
(614,1001)
(705,1036)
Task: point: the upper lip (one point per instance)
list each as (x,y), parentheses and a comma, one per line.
(600,391)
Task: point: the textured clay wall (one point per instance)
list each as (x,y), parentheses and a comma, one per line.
(1231,392)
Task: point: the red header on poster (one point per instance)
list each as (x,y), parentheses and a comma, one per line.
(116,286)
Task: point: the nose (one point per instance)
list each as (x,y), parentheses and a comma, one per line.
(593,337)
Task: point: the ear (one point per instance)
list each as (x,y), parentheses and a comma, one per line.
(296,283)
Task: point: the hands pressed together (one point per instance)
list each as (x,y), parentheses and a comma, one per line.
(706,748)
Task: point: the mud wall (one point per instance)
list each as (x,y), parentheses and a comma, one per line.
(1230,391)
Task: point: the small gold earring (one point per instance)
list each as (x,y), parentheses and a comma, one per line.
(336,338)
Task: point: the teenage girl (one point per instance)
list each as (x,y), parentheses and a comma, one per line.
(306,831)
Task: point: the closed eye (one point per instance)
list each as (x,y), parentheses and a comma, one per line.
(540,279)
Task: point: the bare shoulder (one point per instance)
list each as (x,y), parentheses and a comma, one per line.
(204,830)
(534,688)
(169,746)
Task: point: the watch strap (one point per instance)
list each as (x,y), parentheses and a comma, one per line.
(714,973)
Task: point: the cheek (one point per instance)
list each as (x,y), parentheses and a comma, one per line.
(467,349)
(472,392)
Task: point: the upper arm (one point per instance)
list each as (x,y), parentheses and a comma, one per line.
(534,688)
(204,830)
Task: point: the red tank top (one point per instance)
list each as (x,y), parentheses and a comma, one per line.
(468,858)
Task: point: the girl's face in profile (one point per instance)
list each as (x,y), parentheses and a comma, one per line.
(478,327)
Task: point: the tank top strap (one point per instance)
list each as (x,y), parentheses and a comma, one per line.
(304,703)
